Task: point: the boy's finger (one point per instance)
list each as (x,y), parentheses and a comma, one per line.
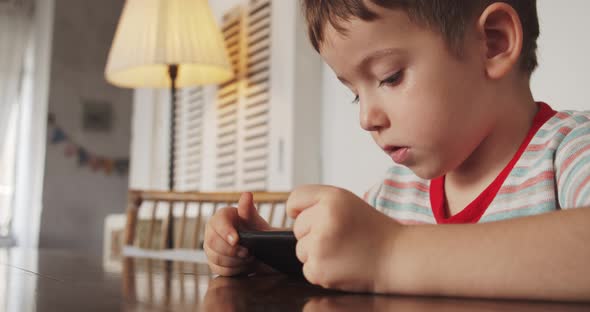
(215,242)
(303,223)
(224,223)
(302,198)
(224,261)
(248,213)
(246,209)
(301,249)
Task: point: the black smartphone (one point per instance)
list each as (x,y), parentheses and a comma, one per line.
(273,248)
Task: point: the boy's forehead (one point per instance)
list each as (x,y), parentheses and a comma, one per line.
(394,20)
(363,40)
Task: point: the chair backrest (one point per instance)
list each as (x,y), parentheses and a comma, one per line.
(172,220)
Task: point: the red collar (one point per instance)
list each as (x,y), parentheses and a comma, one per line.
(473,212)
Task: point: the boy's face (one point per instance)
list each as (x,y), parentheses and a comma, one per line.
(413,91)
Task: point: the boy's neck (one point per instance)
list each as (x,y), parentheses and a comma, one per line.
(498,148)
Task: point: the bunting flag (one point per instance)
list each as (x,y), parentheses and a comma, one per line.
(70,150)
(58,136)
(95,164)
(84,157)
(122,165)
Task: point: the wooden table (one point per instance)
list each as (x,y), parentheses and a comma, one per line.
(51,280)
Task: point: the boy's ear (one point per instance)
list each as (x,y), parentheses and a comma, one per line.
(500,28)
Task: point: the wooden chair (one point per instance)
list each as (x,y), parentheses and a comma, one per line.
(167,211)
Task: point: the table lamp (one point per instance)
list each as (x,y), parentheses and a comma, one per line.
(167,44)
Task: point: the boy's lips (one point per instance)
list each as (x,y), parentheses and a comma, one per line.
(399,154)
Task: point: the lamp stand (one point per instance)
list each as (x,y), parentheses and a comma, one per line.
(173,74)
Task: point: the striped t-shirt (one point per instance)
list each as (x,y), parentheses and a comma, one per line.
(550,171)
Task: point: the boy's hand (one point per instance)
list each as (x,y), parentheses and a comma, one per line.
(225,256)
(343,242)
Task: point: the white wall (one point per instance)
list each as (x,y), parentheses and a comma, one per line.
(75,199)
(564,50)
(351,159)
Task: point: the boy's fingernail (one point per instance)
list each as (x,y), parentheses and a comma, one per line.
(243,253)
(231,239)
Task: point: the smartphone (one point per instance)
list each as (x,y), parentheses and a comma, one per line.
(273,248)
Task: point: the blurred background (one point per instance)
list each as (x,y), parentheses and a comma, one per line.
(72,145)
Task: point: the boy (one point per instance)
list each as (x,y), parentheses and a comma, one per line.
(443,87)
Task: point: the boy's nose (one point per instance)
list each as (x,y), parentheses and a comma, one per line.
(372,117)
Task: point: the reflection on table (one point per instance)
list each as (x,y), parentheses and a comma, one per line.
(62,280)
(187,286)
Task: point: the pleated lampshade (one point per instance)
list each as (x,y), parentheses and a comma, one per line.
(153,34)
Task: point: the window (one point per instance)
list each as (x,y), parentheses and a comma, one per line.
(243,102)
(15,28)
(189,138)
(7,165)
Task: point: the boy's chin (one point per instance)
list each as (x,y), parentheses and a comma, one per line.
(426,172)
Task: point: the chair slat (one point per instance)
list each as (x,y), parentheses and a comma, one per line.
(178,237)
(166,224)
(271,214)
(212,197)
(197,230)
(152,225)
(215,207)
(133,203)
(284,221)
(180,240)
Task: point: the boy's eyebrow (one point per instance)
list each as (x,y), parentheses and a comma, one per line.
(367,60)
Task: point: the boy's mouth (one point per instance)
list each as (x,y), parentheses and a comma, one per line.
(391,148)
(397,153)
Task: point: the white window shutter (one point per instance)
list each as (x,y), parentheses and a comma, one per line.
(189,138)
(255,147)
(228,98)
(243,103)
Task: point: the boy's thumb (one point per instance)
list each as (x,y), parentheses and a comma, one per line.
(248,214)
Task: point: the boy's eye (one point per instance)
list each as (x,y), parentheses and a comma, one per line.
(356,99)
(391,80)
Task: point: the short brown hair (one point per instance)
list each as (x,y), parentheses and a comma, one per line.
(449,17)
